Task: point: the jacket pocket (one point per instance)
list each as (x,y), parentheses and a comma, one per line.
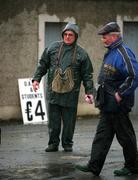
(111,105)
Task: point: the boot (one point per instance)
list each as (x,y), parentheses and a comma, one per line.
(83,168)
(122,172)
(51,148)
(68,149)
(86,168)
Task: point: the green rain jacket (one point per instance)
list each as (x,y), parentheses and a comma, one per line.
(82,70)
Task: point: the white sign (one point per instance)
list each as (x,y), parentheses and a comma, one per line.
(32,103)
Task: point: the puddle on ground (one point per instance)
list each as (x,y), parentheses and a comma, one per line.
(57,171)
(64,171)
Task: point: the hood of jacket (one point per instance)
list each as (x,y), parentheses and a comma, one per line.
(71,27)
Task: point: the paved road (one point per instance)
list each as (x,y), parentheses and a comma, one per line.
(22,154)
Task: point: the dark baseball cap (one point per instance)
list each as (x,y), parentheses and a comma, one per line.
(108,28)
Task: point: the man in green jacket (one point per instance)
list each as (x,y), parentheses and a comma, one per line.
(66,65)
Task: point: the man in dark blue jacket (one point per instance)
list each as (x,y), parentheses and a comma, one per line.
(117,81)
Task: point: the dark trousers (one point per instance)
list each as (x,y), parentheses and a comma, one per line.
(57,114)
(109,125)
(0,135)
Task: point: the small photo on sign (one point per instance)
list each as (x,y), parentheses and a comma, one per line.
(32,103)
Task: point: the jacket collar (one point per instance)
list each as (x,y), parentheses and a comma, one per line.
(116,43)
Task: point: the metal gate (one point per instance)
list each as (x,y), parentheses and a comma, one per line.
(130,34)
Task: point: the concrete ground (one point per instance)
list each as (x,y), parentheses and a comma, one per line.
(22,154)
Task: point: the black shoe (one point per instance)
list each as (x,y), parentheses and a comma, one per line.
(122,172)
(51,148)
(83,168)
(68,149)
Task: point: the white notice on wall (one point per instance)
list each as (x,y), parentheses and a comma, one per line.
(32,103)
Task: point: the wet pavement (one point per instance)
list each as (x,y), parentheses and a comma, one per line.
(22,154)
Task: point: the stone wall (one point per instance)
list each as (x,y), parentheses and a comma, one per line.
(19,40)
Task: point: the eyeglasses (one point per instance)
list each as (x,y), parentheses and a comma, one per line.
(68,34)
